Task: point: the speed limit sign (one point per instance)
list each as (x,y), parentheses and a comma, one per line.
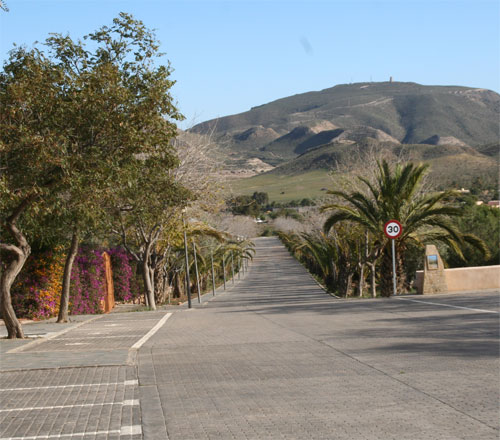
(393,229)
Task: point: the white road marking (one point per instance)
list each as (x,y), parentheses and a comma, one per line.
(78,343)
(52,336)
(130,430)
(125,430)
(151,332)
(76,405)
(448,305)
(99,337)
(75,434)
(126,383)
(133,402)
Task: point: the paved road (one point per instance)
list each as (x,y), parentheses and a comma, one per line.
(278,358)
(274,357)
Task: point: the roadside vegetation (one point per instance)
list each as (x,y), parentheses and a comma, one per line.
(91,160)
(350,254)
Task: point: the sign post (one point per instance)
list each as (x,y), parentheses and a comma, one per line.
(392,230)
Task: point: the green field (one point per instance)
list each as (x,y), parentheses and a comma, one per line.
(284,188)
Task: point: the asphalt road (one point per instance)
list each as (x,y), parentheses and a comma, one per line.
(274,357)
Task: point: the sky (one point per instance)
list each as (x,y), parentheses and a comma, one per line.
(229,56)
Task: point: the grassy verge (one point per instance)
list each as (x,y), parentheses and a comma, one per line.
(283,188)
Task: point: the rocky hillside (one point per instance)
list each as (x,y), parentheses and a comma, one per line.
(393,112)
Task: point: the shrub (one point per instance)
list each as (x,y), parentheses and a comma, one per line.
(124,275)
(87,282)
(37,292)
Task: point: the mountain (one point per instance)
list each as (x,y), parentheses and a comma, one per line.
(394,112)
(450,163)
(307,176)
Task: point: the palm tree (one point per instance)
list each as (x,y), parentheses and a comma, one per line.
(395,195)
(329,257)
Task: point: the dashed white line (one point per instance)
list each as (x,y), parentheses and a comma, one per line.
(76,405)
(448,305)
(126,383)
(125,430)
(131,430)
(52,336)
(90,336)
(133,402)
(151,332)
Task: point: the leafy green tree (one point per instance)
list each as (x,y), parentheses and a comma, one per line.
(262,198)
(483,221)
(244,205)
(77,124)
(395,195)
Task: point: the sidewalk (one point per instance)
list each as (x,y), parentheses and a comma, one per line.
(88,340)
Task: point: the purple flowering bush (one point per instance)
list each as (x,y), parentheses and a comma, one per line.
(88,282)
(124,278)
(36,293)
(37,290)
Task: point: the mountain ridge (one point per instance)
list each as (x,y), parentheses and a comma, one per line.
(400,112)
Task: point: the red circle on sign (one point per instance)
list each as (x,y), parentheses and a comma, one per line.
(393,229)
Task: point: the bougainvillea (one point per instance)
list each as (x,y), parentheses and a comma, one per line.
(124,279)
(37,291)
(87,282)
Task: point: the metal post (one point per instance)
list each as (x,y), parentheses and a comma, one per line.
(188,288)
(196,270)
(394,266)
(224,270)
(213,272)
(239,268)
(232,266)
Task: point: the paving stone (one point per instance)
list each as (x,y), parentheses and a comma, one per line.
(276,357)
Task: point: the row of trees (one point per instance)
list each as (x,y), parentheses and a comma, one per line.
(89,148)
(352,241)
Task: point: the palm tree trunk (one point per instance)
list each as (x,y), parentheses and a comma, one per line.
(373,276)
(361,284)
(386,287)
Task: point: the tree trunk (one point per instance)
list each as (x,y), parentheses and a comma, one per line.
(20,254)
(177,289)
(373,277)
(7,277)
(196,272)
(70,258)
(361,284)
(386,287)
(148,286)
(386,284)
(401,278)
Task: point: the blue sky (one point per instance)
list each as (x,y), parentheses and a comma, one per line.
(229,56)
